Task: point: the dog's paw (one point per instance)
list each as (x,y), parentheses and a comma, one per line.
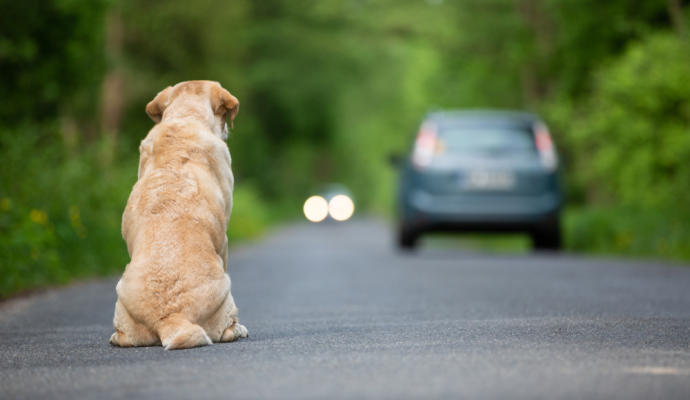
(241,331)
(119,339)
(234,332)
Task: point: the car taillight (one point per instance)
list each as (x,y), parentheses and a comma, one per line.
(425,146)
(545,147)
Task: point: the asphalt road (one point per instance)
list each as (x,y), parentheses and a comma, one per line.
(334,312)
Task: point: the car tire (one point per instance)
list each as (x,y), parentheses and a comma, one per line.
(408,239)
(547,237)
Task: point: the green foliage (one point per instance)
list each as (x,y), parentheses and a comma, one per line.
(59,212)
(633,134)
(51,58)
(587,33)
(250,216)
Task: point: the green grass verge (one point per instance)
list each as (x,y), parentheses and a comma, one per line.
(628,232)
(488,243)
(610,231)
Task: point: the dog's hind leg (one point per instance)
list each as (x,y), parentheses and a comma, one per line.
(128,332)
(223,325)
(234,332)
(231,328)
(177,332)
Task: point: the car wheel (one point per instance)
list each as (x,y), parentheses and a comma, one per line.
(547,237)
(407,239)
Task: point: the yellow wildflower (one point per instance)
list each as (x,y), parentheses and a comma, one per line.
(38,217)
(75,219)
(5,204)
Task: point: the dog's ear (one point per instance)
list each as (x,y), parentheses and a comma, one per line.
(223,102)
(156,106)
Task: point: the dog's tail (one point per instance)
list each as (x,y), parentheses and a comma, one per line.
(177,332)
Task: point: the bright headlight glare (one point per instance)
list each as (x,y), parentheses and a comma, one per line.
(316,209)
(341,207)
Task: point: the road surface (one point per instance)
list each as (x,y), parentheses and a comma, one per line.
(334,312)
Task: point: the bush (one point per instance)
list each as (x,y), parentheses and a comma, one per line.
(60,211)
(627,145)
(633,136)
(250,216)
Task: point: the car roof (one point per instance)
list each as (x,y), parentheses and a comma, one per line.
(483,117)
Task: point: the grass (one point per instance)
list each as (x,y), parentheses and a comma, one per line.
(596,230)
(488,243)
(629,232)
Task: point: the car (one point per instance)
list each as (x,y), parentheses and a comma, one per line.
(480,171)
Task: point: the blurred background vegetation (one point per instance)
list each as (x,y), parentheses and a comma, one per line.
(328,90)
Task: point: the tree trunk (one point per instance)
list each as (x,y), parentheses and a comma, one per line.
(112,88)
(675,12)
(534,84)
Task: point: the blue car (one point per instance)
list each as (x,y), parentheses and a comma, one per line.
(481,171)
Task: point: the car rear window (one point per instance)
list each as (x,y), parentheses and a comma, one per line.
(487,139)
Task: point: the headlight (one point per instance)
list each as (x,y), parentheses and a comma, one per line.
(341,207)
(316,209)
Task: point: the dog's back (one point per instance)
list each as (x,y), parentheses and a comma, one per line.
(176,218)
(174,225)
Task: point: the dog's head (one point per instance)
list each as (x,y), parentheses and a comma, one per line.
(203,99)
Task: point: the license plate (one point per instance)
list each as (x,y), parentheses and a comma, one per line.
(488,180)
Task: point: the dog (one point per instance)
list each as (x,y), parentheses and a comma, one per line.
(175,291)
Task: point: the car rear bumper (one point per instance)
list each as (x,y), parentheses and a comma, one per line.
(480,212)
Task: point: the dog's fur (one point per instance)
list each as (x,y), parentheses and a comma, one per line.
(175,291)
